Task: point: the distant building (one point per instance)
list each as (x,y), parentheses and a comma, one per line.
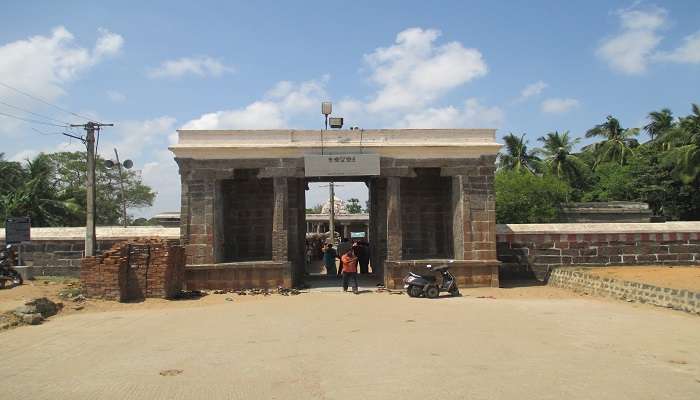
(611,211)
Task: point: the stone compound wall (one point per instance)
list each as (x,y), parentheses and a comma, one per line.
(582,281)
(241,275)
(542,247)
(135,270)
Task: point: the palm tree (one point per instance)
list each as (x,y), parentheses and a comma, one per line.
(557,151)
(517,157)
(659,122)
(36,196)
(684,146)
(618,143)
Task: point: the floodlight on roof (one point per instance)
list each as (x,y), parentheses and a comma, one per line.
(326,108)
(335,122)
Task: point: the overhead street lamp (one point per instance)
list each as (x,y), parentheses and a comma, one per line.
(126,164)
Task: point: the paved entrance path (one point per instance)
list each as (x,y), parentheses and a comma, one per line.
(325,345)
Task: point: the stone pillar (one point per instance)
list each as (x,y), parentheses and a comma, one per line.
(393,219)
(346,230)
(280,250)
(460,222)
(197,216)
(474,218)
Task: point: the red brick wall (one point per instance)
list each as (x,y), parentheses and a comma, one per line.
(135,270)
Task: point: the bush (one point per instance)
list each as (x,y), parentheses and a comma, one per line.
(524,198)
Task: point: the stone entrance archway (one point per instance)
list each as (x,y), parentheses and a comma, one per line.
(243,209)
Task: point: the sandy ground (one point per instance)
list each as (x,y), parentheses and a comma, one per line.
(529,342)
(676,277)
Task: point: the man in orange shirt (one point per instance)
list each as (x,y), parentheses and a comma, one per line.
(349,268)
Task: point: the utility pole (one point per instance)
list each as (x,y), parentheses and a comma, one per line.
(121,183)
(331,222)
(90,237)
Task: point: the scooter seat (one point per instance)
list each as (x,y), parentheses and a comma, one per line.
(426,277)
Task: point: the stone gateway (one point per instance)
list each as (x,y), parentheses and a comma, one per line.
(243,202)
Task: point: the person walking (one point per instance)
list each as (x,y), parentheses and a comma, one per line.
(348,264)
(343,248)
(329,256)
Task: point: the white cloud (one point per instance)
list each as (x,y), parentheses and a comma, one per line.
(136,137)
(55,61)
(631,49)
(415,72)
(115,96)
(558,106)
(199,66)
(108,44)
(472,115)
(688,52)
(282,103)
(533,89)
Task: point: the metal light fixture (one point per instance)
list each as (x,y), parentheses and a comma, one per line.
(326,108)
(335,122)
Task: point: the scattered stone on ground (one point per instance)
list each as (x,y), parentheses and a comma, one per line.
(78,307)
(219,292)
(287,292)
(79,298)
(189,294)
(229,299)
(171,372)
(36,310)
(32,319)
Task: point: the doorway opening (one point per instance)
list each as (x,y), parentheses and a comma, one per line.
(352,224)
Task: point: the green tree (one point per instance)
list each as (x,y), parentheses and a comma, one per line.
(523,198)
(315,209)
(683,143)
(353,206)
(559,160)
(611,183)
(70,177)
(37,196)
(516,156)
(617,144)
(659,122)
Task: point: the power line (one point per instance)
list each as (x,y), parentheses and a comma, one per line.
(44,101)
(32,120)
(33,113)
(46,133)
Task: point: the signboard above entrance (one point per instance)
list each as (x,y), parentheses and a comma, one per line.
(341,165)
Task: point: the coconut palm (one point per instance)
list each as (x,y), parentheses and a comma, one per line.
(516,156)
(683,142)
(618,143)
(37,197)
(659,122)
(558,158)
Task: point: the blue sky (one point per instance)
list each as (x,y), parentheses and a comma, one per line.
(519,66)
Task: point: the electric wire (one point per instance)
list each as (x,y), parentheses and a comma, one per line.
(33,113)
(45,101)
(34,121)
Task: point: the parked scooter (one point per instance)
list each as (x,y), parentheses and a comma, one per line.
(417,285)
(8,275)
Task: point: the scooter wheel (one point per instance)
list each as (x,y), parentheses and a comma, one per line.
(432,292)
(414,291)
(16,278)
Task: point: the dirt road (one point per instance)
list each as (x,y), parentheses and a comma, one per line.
(329,345)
